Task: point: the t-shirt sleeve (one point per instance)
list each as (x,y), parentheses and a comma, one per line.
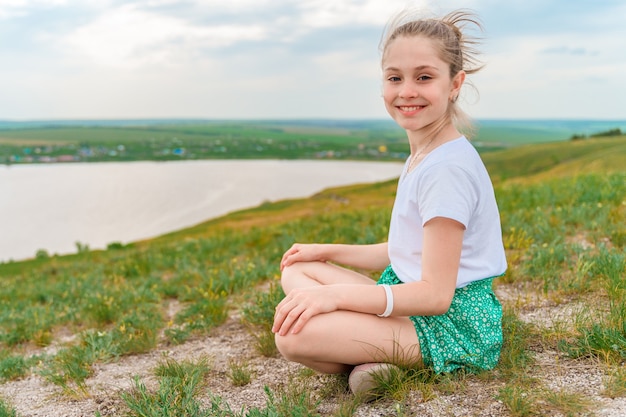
(447,191)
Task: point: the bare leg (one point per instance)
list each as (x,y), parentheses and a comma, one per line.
(334,342)
(307,274)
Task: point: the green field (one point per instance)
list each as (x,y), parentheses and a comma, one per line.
(175,140)
(563,206)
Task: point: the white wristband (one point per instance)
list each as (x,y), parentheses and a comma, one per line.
(389,295)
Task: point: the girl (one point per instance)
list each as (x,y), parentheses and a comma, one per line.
(433,304)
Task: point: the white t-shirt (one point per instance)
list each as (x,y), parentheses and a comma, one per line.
(452,182)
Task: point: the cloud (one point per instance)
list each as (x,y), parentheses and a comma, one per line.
(287,58)
(568,50)
(128,37)
(563,74)
(332,13)
(169,32)
(166,32)
(15,8)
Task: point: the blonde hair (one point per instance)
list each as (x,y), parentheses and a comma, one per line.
(455,47)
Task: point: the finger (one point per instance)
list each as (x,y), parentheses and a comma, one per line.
(278,322)
(280,314)
(289,318)
(287,253)
(303,319)
(289,258)
(288,261)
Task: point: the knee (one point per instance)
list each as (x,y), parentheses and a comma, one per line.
(292,276)
(290,347)
(300,274)
(284,346)
(292,273)
(287,276)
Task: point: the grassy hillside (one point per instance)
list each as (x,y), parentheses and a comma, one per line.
(563,208)
(540,161)
(178,139)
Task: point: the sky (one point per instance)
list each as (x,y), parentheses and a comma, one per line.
(294,59)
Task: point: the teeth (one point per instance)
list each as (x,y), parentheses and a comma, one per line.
(403,108)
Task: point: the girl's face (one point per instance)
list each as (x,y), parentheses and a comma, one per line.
(417,88)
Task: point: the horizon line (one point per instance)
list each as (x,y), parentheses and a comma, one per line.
(286,119)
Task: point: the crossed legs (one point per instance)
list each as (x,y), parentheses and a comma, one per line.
(335,342)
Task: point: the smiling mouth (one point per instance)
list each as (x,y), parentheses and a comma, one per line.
(410,108)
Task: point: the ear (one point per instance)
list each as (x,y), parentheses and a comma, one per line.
(457,83)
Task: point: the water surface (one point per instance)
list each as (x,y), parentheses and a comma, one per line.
(51,207)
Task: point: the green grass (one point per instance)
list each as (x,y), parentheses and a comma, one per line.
(259,316)
(6,410)
(517,401)
(547,160)
(615,383)
(563,232)
(179,385)
(176,140)
(198,141)
(13,366)
(239,373)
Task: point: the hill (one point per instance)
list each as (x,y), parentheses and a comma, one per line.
(547,160)
(159,140)
(182,320)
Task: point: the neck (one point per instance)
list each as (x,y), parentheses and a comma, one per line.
(431,136)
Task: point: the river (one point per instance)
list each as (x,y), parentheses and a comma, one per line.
(51,207)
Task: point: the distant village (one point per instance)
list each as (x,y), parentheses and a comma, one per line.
(74,153)
(99,153)
(69,153)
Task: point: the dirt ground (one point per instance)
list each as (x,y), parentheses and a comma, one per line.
(34,397)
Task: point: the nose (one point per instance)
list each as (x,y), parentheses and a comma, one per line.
(408,90)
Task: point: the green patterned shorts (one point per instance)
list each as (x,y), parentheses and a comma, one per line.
(468,335)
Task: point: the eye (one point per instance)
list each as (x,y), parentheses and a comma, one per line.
(393,79)
(424,78)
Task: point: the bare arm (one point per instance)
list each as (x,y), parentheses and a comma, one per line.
(371,257)
(441,256)
(443,241)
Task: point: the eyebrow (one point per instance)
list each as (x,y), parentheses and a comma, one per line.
(418,68)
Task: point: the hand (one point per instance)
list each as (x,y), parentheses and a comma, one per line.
(300,305)
(300,252)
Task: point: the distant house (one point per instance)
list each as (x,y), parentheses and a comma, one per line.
(66,158)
